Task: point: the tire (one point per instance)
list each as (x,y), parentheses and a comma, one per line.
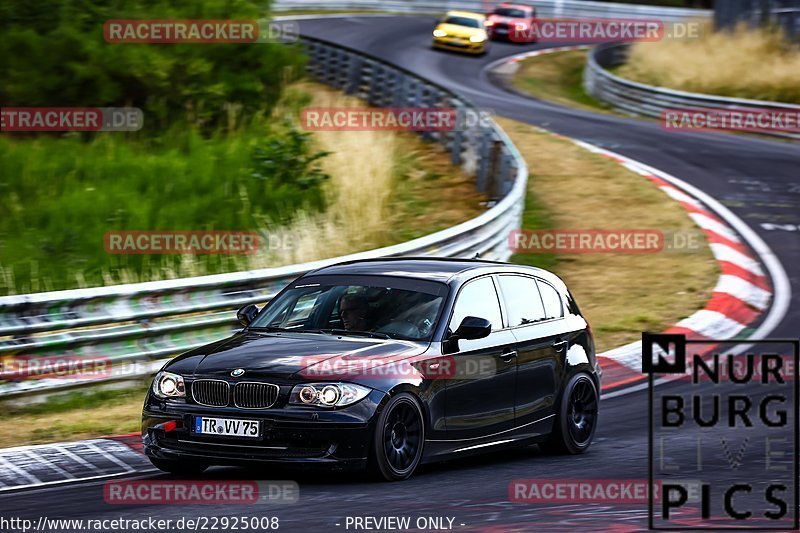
(576,419)
(398,439)
(181,468)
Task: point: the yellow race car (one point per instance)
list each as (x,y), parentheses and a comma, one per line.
(461,31)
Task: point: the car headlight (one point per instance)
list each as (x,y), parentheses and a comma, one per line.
(327,394)
(477,38)
(439,33)
(169,385)
(490,23)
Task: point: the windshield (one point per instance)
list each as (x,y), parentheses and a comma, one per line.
(462,21)
(510,12)
(399,309)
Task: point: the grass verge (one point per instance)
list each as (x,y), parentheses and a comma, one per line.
(74,415)
(557,77)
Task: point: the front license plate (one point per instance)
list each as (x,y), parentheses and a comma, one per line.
(228,427)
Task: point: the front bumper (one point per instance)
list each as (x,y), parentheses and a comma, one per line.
(459,45)
(292,435)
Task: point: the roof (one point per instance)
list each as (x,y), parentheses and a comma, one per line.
(433,269)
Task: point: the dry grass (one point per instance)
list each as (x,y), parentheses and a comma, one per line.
(557,77)
(757,64)
(87,423)
(622,295)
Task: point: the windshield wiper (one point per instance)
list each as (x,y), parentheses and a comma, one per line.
(285,330)
(355,333)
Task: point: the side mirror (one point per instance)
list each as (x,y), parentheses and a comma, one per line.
(472,328)
(246,314)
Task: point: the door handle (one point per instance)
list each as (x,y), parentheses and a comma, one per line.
(559,346)
(508,356)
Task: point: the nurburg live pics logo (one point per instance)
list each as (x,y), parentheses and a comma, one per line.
(736,433)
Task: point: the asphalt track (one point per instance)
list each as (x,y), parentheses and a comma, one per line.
(758,180)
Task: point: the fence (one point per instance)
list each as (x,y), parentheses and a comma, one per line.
(140,325)
(647,100)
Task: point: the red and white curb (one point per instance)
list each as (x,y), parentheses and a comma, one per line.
(744,290)
(534,53)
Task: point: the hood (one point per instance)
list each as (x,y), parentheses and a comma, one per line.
(284,355)
(460,31)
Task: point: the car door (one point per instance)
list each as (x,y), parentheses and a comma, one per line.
(479,397)
(540,352)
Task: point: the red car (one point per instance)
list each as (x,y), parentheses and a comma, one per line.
(512,22)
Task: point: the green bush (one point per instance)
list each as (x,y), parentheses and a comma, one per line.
(208,157)
(55,54)
(61,195)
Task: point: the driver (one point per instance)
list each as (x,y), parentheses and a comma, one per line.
(353,309)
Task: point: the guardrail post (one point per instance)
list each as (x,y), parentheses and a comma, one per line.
(457,137)
(354,75)
(495,156)
(484,150)
(401,93)
(503,172)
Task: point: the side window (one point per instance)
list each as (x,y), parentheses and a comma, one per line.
(553,306)
(522,299)
(302,309)
(478,298)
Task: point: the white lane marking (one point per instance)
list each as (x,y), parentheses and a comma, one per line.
(51,465)
(629,355)
(723,252)
(743,290)
(98,449)
(676,194)
(708,223)
(77,458)
(14,488)
(20,472)
(712,325)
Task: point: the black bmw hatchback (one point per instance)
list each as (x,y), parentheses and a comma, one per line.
(384,364)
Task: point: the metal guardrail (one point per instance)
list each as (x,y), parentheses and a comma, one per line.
(544,8)
(137,326)
(650,101)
